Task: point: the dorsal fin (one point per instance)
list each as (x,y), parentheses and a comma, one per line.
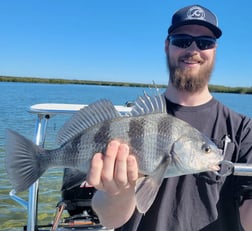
(148,104)
(93,114)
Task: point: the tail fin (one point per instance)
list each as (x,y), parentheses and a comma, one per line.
(22,161)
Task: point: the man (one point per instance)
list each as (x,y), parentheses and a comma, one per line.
(193,202)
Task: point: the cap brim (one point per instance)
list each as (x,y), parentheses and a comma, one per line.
(217,32)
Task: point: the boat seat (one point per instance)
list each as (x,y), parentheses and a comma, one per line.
(78,200)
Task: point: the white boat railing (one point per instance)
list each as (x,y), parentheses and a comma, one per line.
(44,112)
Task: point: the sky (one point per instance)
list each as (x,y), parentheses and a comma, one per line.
(114,40)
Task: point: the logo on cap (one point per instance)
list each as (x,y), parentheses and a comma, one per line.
(196,12)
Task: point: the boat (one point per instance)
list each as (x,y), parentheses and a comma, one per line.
(81,216)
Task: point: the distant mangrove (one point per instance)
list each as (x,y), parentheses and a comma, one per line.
(213,88)
(75,81)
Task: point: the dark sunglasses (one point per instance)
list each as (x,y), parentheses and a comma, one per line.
(185,41)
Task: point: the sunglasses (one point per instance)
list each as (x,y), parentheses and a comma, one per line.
(185,41)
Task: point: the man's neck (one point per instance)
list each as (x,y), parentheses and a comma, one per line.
(187,98)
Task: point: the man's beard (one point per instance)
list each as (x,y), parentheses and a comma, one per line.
(183,80)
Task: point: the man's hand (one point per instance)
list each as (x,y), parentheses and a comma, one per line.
(115,171)
(114,175)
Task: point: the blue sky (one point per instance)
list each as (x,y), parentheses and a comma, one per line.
(113,40)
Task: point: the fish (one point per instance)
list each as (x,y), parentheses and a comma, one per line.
(164,146)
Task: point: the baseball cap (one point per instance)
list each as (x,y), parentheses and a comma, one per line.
(195,14)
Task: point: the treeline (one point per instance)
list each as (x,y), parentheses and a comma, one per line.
(223,89)
(75,81)
(213,88)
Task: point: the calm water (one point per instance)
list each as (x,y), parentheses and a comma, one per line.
(15,98)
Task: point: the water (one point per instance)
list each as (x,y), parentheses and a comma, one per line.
(15,98)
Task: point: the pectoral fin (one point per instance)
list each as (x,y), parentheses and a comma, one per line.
(148,187)
(146,191)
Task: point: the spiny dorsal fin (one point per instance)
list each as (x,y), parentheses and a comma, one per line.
(91,115)
(148,104)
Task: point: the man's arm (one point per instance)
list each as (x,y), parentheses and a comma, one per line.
(113,211)
(114,175)
(246,215)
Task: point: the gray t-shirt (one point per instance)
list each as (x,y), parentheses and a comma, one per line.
(204,201)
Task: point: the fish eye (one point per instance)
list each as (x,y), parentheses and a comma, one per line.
(206,148)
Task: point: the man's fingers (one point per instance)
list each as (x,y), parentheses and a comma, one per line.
(94,175)
(132,169)
(109,161)
(113,171)
(120,171)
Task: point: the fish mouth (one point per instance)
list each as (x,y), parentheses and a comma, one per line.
(226,168)
(214,168)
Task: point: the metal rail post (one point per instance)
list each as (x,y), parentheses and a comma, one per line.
(39,138)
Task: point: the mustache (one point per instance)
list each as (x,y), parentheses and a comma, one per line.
(190,57)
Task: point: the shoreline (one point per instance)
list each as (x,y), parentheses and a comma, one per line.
(212,88)
(76,81)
